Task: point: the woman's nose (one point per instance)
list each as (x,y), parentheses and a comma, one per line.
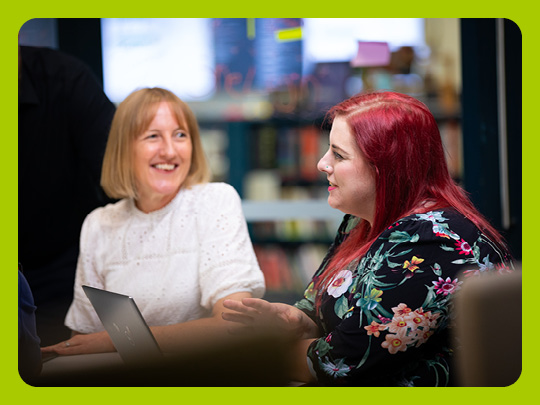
(323,165)
(167,147)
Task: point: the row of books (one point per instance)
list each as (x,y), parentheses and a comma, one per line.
(291,150)
(289,269)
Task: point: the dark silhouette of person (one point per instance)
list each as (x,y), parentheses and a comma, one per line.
(64,120)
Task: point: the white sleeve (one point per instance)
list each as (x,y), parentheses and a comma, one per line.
(228,263)
(81,316)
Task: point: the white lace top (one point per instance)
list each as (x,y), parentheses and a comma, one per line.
(176,262)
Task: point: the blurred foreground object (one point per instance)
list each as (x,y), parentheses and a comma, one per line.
(488,331)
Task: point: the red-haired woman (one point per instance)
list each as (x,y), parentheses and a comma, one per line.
(377,310)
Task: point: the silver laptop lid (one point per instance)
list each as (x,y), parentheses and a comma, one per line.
(125,325)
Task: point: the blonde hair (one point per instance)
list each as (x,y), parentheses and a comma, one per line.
(132,118)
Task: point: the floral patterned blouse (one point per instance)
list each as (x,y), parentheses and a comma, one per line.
(384,319)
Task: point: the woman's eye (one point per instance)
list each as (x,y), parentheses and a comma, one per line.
(181,134)
(338,156)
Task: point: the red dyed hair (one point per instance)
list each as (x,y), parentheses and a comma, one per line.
(399,137)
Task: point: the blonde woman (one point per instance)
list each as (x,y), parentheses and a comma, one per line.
(175,242)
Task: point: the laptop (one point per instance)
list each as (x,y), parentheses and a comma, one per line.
(126,326)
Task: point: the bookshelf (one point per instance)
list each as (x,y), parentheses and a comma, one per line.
(291,238)
(272,165)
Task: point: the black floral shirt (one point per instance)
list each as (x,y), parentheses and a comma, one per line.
(385,318)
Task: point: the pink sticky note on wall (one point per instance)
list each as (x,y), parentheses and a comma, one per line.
(371,54)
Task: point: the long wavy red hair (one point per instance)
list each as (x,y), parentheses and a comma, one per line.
(399,137)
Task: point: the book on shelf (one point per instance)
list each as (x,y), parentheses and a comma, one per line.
(263,147)
(289,269)
(309,152)
(287,152)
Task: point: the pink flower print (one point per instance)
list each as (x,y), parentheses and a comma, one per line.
(430,319)
(375,328)
(402,309)
(395,343)
(417,319)
(399,325)
(447,286)
(422,336)
(383,319)
(463,247)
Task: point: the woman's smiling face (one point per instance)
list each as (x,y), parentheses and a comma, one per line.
(162,159)
(351,177)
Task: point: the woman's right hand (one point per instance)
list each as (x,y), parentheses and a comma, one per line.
(261,316)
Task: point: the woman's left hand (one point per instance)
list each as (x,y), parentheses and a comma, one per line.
(269,317)
(99,342)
